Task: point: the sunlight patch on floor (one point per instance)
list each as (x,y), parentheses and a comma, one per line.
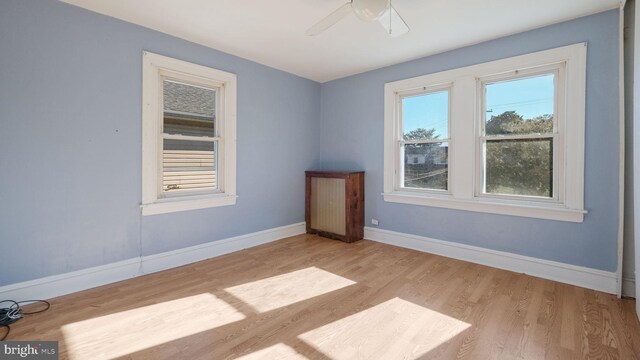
(129,331)
(286,289)
(278,351)
(393,329)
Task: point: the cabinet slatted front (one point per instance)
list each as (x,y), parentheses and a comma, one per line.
(335,204)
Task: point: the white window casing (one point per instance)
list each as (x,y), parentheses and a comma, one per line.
(156,69)
(466,120)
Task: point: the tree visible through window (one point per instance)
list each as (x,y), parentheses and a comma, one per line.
(519,142)
(425,140)
(503,137)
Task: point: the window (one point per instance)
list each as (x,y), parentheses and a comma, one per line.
(503,137)
(188,136)
(519,135)
(424,143)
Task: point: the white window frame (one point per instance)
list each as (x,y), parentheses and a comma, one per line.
(157,68)
(465,124)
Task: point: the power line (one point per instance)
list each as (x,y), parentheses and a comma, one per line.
(519,102)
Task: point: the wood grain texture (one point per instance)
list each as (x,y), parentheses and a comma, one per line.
(353,199)
(308,297)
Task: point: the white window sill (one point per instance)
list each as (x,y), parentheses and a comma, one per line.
(530,209)
(164,206)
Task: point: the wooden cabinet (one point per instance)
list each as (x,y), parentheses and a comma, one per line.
(335,204)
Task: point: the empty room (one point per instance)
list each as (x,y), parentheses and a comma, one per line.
(319,179)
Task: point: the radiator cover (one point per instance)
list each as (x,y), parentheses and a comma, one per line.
(335,204)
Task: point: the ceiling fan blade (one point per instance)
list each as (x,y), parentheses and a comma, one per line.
(393,23)
(330,20)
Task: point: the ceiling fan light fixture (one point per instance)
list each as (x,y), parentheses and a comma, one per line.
(369,10)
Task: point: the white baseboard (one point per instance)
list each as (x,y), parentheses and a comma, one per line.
(628,286)
(570,274)
(58,285)
(171,259)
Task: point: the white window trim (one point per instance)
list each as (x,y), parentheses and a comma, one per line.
(154,66)
(464,129)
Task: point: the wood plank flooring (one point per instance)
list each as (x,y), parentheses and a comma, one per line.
(308,297)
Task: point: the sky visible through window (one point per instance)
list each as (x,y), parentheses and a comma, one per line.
(428,111)
(528,97)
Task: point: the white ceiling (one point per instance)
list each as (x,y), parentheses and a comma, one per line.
(272,32)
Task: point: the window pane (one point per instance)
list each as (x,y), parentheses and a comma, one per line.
(519,167)
(523,106)
(188,110)
(189,165)
(426,116)
(426,166)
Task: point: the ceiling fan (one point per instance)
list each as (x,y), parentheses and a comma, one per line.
(367,10)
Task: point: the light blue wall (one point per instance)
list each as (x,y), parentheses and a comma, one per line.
(352,137)
(70,148)
(70,143)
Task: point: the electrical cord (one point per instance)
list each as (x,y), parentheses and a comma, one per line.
(13,313)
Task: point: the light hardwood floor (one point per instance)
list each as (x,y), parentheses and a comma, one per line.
(310,297)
